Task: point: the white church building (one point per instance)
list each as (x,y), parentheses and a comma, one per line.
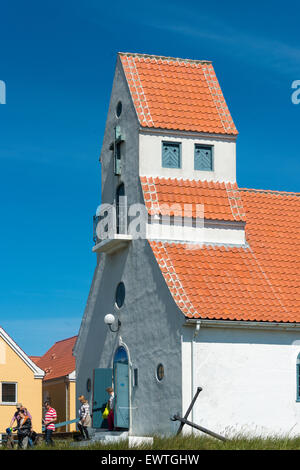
(211,300)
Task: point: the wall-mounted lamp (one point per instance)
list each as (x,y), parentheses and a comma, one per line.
(109,319)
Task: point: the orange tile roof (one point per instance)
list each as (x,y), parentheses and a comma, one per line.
(35,359)
(58,361)
(179,94)
(256,283)
(221,201)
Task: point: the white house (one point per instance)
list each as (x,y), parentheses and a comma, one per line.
(213,302)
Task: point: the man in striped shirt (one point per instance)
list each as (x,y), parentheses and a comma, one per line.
(49,420)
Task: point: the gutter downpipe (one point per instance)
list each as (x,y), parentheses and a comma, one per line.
(196,332)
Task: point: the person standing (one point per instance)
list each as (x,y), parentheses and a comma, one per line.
(85,418)
(49,420)
(24,429)
(110,405)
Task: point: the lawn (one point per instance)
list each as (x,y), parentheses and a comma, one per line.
(189,443)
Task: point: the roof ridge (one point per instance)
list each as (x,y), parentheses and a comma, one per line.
(271,191)
(161,57)
(66,339)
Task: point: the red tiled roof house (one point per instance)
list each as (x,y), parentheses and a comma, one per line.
(59,383)
(202,276)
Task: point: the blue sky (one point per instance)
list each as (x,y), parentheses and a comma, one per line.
(57,60)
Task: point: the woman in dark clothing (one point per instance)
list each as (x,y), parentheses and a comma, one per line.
(24,429)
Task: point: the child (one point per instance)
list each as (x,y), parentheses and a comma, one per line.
(110,405)
(85,417)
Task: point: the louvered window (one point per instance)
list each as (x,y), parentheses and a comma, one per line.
(171,155)
(203,160)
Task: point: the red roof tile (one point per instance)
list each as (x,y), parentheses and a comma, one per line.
(58,361)
(179,94)
(255,283)
(35,359)
(221,201)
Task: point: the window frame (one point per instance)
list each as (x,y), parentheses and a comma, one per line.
(171,143)
(9,403)
(205,146)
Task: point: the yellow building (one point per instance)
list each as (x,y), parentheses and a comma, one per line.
(20,382)
(59,383)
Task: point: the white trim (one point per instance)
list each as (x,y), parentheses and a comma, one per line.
(38,373)
(72,376)
(243,324)
(4,403)
(164,58)
(110,245)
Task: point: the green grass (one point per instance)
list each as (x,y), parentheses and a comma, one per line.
(190,443)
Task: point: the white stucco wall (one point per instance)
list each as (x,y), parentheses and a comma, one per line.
(151,157)
(233,234)
(248,379)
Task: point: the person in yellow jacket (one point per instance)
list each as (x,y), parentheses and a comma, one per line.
(110,405)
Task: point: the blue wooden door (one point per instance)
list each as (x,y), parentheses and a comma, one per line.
(121,379)
(102,380)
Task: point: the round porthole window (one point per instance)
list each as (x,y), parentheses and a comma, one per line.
(120,294)
(119,109)
(88,385)
(160,372)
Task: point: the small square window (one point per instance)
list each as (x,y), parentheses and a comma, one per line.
(203,159)
(171,155)
(9,393)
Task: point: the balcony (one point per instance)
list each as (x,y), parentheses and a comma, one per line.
(113,240)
